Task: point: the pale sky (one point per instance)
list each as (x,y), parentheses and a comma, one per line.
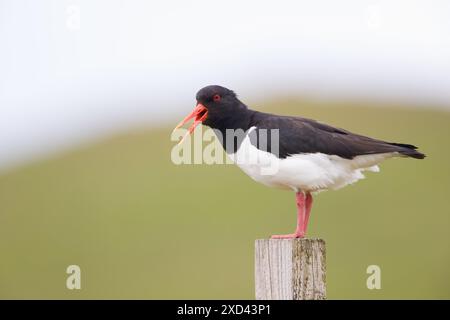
(73,70)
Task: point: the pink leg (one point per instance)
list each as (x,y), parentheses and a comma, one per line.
(308,206)
(304,203)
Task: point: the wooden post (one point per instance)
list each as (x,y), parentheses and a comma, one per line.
(290,269)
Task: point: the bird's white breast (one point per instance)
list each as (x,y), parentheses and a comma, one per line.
(307,172)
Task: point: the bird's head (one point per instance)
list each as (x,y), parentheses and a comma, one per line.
(214,105)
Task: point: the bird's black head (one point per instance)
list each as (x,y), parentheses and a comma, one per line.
(221,104)
(215,95)
(217,107)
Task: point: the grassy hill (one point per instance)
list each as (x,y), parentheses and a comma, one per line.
(141,227)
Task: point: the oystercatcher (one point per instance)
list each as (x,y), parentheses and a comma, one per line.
(308,156)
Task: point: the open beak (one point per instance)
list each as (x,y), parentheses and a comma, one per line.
(199,114)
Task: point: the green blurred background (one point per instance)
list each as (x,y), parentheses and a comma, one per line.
(141,227)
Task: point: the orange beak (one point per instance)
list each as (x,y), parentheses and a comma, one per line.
(199,114)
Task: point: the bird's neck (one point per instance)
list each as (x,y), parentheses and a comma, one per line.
(231,129)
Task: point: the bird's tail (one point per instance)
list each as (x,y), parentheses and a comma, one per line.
(408,150)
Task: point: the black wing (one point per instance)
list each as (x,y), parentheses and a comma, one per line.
(300,135)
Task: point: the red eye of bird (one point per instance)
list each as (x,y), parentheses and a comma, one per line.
(216,98)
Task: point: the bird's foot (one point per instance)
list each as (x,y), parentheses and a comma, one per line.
(288,236)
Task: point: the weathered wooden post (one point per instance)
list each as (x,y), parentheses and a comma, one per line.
(290,269)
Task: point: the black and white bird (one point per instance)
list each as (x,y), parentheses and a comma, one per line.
(307,156)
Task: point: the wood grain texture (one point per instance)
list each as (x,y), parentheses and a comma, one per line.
(290,269)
